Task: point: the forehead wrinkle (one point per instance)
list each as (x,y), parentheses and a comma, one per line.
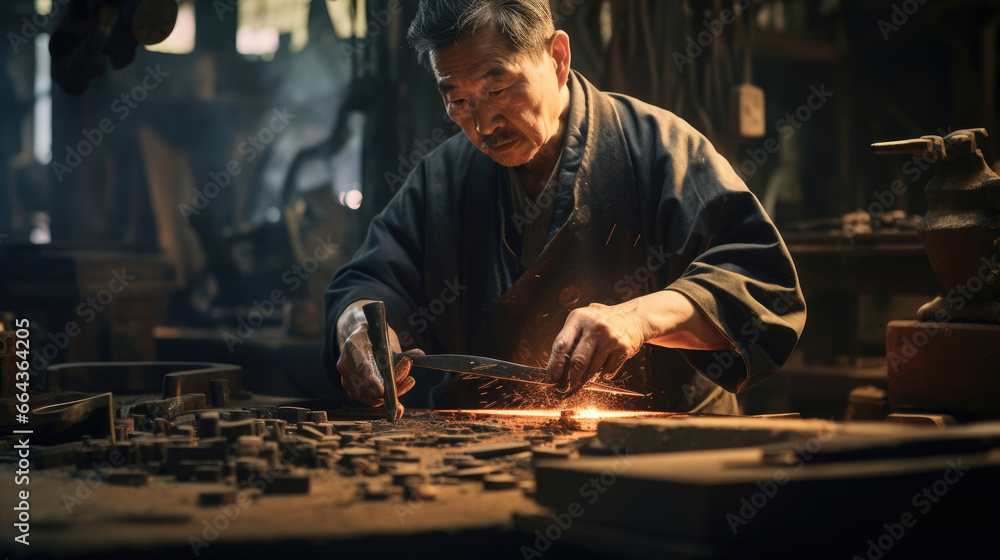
(486,69)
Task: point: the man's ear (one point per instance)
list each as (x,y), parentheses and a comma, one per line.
(559,50)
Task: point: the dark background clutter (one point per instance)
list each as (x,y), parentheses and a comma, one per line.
(192,205)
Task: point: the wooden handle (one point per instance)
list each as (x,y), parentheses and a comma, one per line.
(378,336)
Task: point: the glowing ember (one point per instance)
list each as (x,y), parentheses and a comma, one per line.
(589,413)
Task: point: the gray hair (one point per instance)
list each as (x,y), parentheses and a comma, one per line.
(525,24)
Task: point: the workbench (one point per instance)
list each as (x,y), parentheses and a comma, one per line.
(648,485)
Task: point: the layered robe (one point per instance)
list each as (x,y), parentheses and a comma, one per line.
(643,202)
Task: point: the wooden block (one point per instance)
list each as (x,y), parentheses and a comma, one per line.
(352,426)
(454,439)
(293,414)
(311,432)
(244,469)
(162,426)
(419,492)
(363,467)
(183,432)
(129,478)
(408,475)
(240,414)
(454,459)
(350,436)
(233,431)
(867,404)
(357,452)
(376,491)
(400,459)
(502,481)
(187,471)
(209,425)
(217,498)
(264,412)
(537,439)
(209,472)
(552,452)
(316,416)
(275,430)
(447,470)
(490,450)
(249,446)
(288,484)
(53,456)
(475,472)
(329,442)
(658,435)
(940,421)
(211,449)
(219,389)
(712,492)
(948,368)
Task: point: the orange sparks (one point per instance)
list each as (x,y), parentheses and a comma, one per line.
(589,413)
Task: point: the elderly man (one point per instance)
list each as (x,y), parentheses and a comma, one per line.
(586,232)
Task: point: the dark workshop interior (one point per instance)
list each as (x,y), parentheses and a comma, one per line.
(181,179)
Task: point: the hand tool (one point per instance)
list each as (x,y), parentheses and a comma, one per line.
(499,369)
(378,336)
(470,365)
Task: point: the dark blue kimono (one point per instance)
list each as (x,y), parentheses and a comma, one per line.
(644,203)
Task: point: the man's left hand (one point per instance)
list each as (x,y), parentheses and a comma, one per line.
(599,338)
(596,339)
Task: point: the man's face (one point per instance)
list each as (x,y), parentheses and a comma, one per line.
(507,103)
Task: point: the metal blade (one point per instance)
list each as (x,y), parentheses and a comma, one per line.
(499,369)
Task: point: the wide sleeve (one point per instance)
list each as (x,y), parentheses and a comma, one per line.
(389,266)
(728,258)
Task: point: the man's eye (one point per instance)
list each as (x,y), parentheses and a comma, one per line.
(458,102)
(497,92)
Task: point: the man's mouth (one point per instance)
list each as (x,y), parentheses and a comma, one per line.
(499,143)
(503,146)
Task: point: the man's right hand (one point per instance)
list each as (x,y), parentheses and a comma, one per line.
(358,372)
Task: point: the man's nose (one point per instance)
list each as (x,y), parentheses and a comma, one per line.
(485,117)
